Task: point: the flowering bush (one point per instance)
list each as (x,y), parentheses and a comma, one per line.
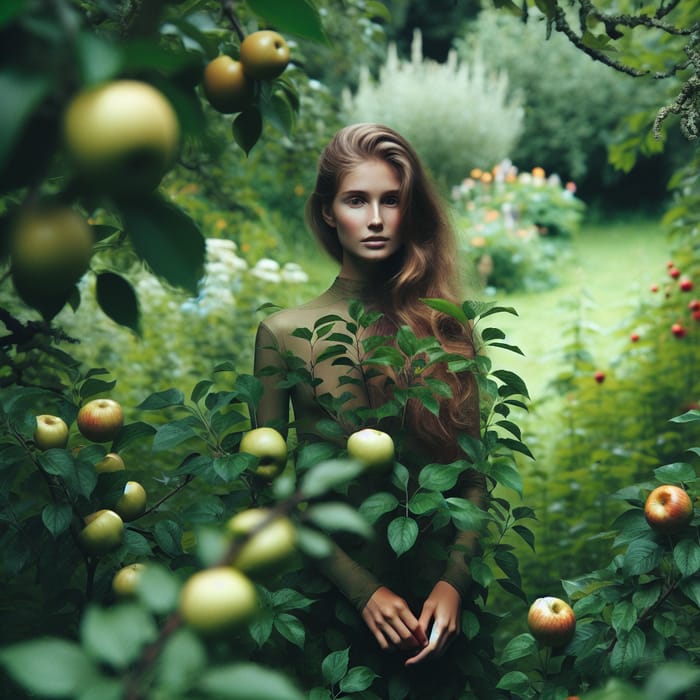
(511,224)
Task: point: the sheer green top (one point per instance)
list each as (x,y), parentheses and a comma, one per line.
(357,569)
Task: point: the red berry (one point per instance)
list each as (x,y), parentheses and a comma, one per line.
(599,376)
(686,284)
(670,264)
(694,305)
(654,287)
(634,337)
(674,272)
(696,314)
(678,330)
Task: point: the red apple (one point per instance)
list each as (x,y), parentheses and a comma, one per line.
(51,431)
(374,448)
(674,272)
(599,376)
(551,621)
(668,509)
(678,330)
(270,447)
(634,337)
(100,420)
(686,284)
(654,287)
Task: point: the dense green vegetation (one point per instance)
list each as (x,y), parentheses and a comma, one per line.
(586,227)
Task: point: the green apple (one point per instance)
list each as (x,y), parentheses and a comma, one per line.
(217,599)
(374,448)
(121,136)
(270,447)
(103,532)
(264,55)
(100,420)
(111,462)
(226,86)
(126,580)
(51,431)
(270,545)
(668,509)
(132,503)
(50,250)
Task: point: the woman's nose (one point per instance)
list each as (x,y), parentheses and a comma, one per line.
(376,222)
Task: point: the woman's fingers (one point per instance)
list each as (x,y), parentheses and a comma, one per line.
(391,621)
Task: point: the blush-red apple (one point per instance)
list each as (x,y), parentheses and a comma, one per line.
(668,508)
(100,420)
(551,621)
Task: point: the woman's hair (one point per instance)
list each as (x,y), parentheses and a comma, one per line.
(425,266)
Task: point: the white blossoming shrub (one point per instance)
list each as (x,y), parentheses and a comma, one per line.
(457,115)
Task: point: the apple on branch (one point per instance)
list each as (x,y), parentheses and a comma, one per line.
(126,579)
(264,55)
(226,86)
(217,599)
(374,448)
(51,431)
(132,503)
(268,545)
(100,420)
(668,509)
(270,447)
(103,532)
(551,621)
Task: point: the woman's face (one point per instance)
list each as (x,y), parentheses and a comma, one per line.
(366,213)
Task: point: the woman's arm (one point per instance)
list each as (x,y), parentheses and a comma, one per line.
(269,368)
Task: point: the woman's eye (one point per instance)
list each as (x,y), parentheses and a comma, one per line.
(355,201)
(392,201)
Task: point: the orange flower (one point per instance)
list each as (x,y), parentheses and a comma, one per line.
(478,241)
(486,178)
(220,225)
(299,190)
(538,172)
(476,173)
(245,247)
(492,215)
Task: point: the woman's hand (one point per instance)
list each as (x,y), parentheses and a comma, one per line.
(443,607)
(391,621)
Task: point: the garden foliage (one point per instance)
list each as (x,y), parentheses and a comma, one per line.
(458,115)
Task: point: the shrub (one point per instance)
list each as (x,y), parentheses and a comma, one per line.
(512,226)
(457,115)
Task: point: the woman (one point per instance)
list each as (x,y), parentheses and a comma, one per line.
(375,211)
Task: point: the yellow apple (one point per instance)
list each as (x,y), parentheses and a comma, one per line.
(264,55)
(126,579)
(374,448)
(132,503)
(226,86)
(270,447)
(100,420)
(51,431)
(217,599)
(121,136)
(269,546)
(111,462)
(103,532)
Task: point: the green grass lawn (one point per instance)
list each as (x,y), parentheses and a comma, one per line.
(610,268)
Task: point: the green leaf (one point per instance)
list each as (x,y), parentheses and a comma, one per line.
(247,681)
(298,17)
(49,667)
(289,599)
(691,589)
(424,502)
(182,660)
(21,93)
(118,300)
(512,380)
(466,515)
(291,628)
(132,432)
(481,572)
(686,554)
(439,477)
(117,635)
(624,616)
(376,505)
(402,534)
(688,417)
(357,679)
(519,647)
(158,589)
(641,557)
(313,543)
(336,516)
(168,536)
(329,475)
(167,239)
(58,462)
(670,679)
(506,473)
(515,682)
(675,473)
(57,517)
(175,433)
(99,59)
(335,666)
(628,652)
(247,128)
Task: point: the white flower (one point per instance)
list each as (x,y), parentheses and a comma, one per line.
(293,272)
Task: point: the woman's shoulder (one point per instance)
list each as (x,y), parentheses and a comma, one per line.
(285,321)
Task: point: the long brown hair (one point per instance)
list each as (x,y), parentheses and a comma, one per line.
(425,267)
